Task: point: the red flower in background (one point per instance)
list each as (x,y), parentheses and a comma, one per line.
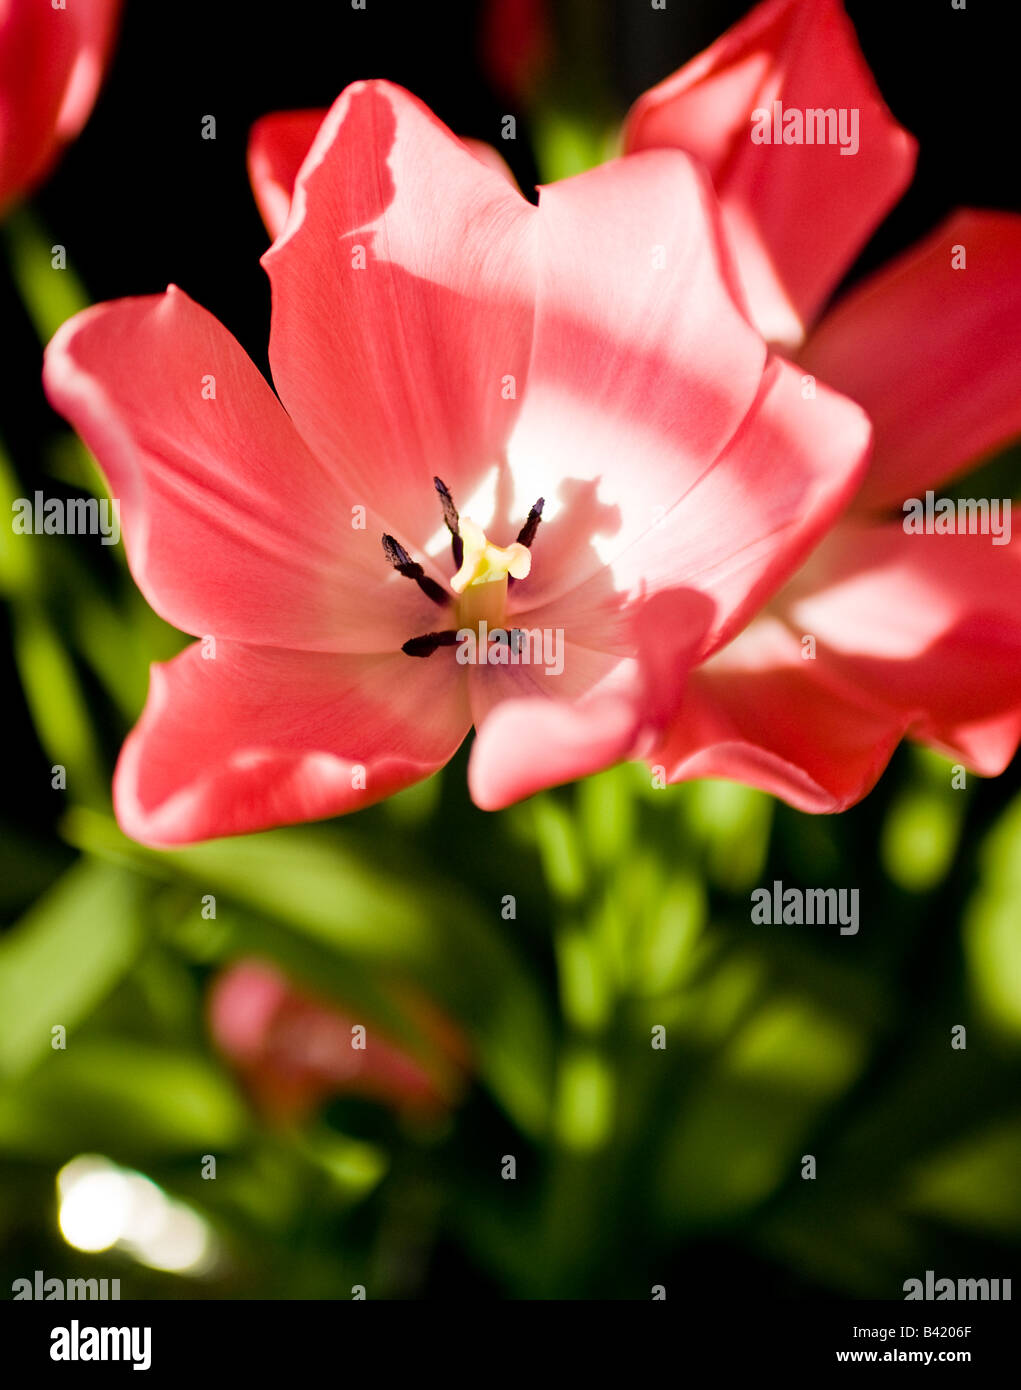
(796,215)
(295,1051)
(515,42)
(916,635)
(52,62)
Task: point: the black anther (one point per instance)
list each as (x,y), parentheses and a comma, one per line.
(411,569)
(428,642)
(453,521)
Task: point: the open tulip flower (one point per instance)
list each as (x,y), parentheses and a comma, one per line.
(493,418)
(52,60)
(911,634)
(295,1051)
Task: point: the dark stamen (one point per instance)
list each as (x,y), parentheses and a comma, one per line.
(527,533)
(411,569)
(428,642)
(452,519)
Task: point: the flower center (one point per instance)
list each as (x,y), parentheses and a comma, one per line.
(481,582)
(485,573)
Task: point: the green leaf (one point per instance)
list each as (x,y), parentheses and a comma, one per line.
(569,142)
(559,846)
(63,957)
(975,1183)
(585,1099)
(991,930)
(740,1134)
(733,824)
(17,570)
(131,1102)
(57,702)
(50,296)
(920,837)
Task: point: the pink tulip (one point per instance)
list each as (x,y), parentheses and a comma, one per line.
(431,324)
(295,1051)
(52,61)
(915,635)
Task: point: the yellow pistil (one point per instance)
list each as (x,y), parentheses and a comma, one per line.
(481,582)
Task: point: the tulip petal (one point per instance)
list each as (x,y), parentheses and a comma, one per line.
(261,737)
(51,64)
(538,727)
(797,214)
(931,352)
(232,528)
(491,157)
(277,146)
(916,636)
(927,626)
(97,22)
(743,527)
(403,292)
(643,369)
(759,713)
(294,1049)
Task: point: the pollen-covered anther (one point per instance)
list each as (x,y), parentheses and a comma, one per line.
(411,569)
(428,642)
(453,521)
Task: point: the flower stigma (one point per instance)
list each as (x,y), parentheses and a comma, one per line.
(481,582)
